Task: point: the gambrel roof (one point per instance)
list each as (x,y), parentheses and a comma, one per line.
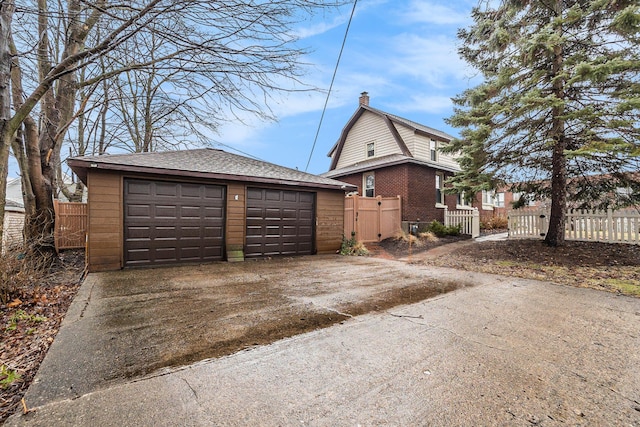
(389,119)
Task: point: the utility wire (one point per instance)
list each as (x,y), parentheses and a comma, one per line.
(335,71)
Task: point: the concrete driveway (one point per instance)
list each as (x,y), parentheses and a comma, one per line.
(503,352)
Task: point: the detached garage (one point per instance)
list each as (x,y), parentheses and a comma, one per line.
(151,209)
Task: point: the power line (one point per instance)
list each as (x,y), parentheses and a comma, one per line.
(335,71)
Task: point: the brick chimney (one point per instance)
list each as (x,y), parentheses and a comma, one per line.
(364,98)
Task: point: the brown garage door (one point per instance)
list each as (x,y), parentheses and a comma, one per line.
(171,222)
(279,222)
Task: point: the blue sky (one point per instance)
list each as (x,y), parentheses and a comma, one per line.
(402,52)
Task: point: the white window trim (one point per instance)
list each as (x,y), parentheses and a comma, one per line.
(435,145)
(439,203)
(466,205)
(486,205)
(366,149)
(364,183)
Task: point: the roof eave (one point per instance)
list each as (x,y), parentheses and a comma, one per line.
(364,168)
(80,167)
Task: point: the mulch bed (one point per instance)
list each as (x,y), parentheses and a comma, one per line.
(400,248)
(29,324)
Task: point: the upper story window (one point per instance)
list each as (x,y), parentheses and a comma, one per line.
(433,150)
(439,188)
(369,184)
(371,149)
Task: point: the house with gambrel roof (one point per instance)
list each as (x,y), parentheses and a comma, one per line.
(386,155)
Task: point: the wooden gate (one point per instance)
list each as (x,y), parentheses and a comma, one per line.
(71,225)
(372,219)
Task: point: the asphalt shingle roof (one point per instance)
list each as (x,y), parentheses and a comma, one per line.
(384,161)
(206,162)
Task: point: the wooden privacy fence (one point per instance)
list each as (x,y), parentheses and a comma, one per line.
(71,225)
(468,220)
(609,226)
(372,219)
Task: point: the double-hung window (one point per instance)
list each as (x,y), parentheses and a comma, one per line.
(371,149)
(369,184)
(439,188)
(433,150)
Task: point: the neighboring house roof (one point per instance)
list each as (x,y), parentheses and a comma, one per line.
(385,161)
(204,163)
(13,206)
(389,119)
(14,190)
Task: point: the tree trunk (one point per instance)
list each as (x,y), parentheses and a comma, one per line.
(7,8)
(555,235)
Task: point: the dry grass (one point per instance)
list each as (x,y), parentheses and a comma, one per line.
(401,236)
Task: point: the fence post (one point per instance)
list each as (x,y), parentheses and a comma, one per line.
(446,216)
(475,223)
(610,236)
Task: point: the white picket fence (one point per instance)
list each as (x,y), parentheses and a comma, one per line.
(468,220)
(622,226)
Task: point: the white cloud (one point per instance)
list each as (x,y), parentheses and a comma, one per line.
(434,61)
(429,12)
(425,103)
(324,26)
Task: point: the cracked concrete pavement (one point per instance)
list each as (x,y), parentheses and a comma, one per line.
(504,352)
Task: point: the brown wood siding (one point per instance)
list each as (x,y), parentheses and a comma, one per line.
(104,244)
(236,216)
(330,220)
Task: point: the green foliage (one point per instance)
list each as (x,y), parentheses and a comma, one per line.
(352,247)
(441,230)
(7,376)
(21,315)
(560,100)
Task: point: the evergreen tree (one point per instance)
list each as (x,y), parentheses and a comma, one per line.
(559,104)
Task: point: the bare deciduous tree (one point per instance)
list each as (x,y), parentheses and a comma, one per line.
(186,59)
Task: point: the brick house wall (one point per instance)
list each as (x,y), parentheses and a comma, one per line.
(416,186)
(496,211)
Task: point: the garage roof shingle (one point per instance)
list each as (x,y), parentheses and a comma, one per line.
(203,163)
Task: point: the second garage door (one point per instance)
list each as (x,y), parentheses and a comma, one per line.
(172,222)
(279,222)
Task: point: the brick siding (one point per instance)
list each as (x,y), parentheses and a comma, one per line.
(416,186)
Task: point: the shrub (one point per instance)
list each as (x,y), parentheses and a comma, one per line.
(495,223)
(352,247)
(17,274)
(442,230)
(428,236)
(401,236)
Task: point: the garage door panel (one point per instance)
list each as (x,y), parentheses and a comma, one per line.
(278,223)
(306,198)
(191,191)
(139,188)
(166,212)
(141,211)
(170,222)
(214,193)
(273,195)
(164,189)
